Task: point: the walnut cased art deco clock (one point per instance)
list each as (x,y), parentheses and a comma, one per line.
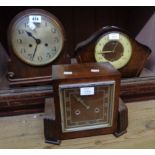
(114,45)
(36,40)
(86,101)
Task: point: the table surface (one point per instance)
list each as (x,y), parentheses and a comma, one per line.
(26,131)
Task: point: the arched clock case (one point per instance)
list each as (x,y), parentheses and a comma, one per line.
(36,41)
(114,45)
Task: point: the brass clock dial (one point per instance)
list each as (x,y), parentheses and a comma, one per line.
(36,37)
(86,106)
(115,48)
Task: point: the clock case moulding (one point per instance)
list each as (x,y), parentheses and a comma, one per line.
(82,74)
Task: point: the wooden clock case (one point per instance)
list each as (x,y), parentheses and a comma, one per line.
(22,74)
(84,52)
(82,74)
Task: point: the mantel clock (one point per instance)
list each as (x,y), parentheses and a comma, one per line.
(112,44)
(36,40)
(86,102)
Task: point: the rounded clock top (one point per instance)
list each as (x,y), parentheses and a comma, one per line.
(113,47)
(36,37)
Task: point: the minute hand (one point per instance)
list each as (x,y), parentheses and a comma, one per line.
(115,47)
(104,52)
(79,99)
(35,51)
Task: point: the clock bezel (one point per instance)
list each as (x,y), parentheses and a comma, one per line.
(110,84)
(118,40)
(41,12)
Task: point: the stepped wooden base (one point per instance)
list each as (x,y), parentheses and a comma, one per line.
(122,123)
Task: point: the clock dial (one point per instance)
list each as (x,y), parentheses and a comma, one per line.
(36,37)
(86,106)
(115,48)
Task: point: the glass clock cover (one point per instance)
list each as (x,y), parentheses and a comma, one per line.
(36,37)
(86,106)
(115,48)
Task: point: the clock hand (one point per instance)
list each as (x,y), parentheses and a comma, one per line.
(30,35)
(81,101)
(115,47)
(38,41)
(104,52)
(35,51)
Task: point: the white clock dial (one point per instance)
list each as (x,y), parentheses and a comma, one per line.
(36,37)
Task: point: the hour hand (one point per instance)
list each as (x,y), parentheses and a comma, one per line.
(38,41)
(79,99)
(30,35)
(104,52)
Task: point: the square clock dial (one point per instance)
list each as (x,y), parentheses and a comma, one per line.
(86,106)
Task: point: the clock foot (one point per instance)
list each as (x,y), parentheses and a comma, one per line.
(122,121)
(53,141)
(49,123)
(118,134)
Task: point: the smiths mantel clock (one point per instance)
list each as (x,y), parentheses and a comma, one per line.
(115,48)
(86,102)
(36,39)
(114,45)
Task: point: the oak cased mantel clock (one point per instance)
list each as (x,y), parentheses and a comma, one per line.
(112,44)
(85,103)
(36,41)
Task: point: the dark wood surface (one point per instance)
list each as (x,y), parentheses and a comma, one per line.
(138,89)
(83,70)
(24,100)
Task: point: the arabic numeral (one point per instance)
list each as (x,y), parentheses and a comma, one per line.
(23,50)
(48,55)
(53,30)
(20,31)
(46,24)
(30,56)
(19,41)
(56,40)
(26,24)
(40,58)
(54,49)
